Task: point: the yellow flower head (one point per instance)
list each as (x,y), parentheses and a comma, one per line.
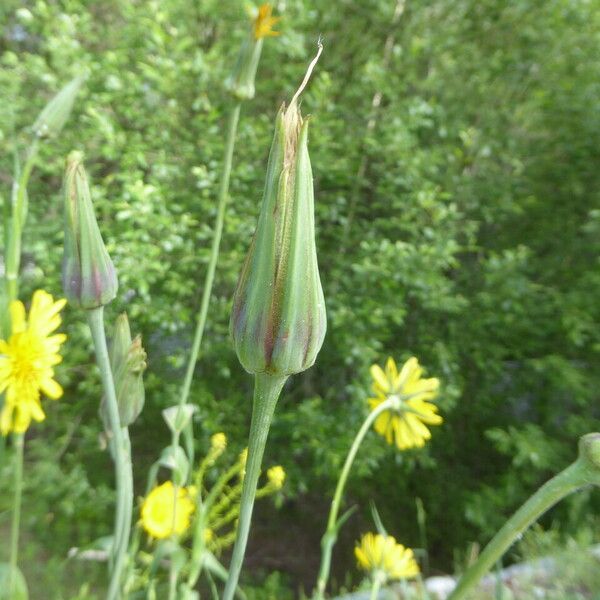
(27,361)
(157,511)
(276,477)
(264,22)
(218,442)
(406,427)
(380,555)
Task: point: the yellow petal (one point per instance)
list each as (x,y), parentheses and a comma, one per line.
(380,379)
(17,316)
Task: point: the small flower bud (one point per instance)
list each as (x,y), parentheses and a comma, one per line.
(276,477)
(55,114)
(278,319)
(241,81)
(128,363)
(218,442)
(89,277)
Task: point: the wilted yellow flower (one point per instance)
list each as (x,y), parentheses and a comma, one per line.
(218,442)
(27,361)
(276,476)
(381,556)
(406,426)
(157,511)
(264,22)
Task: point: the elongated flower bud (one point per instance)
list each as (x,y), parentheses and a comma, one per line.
(241,81)
(128,363)
(278,320)
(89,277)
(55,114)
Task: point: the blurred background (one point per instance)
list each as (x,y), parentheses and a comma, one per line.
(455,150)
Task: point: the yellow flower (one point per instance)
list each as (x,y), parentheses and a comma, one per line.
(218,442)
(406,427)
(157,511)
(381,556)
(276,477)
(264,22)
(27,361)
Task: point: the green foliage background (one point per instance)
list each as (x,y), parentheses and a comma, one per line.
(472,241)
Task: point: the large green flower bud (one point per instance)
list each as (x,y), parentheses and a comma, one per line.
(55,114)
(128,363)
(89,277)
(278,320)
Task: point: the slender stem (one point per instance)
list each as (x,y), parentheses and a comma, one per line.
(572,478)
(214,253)
(16,510)
(266,393)
(330,536)
(121,458)
(173,576)
(375,587)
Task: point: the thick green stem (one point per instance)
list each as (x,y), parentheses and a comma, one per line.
(214,252)
(584,471)
(330,536)
(16,510)
(121,457)
(266,393)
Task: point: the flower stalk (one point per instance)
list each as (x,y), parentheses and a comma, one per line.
(583,472)
(333,523)
(18,441)
(122,458)
(267,389)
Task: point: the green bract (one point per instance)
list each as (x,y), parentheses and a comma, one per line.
(89,277)
(128,363)
(278,320)
(55,114)
(241,81)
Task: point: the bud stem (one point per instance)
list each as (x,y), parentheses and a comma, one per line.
(579,474)
(121,456)
(333,524)
(266,393)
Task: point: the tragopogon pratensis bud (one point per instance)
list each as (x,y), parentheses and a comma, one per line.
(278,320)
(55,114)
(128,363)
(89,277)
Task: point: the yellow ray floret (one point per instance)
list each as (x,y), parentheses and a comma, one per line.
(381,555)
(166,511)
(27,361)
(264,22)
(407,426)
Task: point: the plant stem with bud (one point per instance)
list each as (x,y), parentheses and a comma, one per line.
(122,459)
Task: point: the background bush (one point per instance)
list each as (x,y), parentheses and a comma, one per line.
(471,241)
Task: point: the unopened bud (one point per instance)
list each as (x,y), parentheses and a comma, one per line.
(55,114)
(89,277)
(128,363)
(278,320)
